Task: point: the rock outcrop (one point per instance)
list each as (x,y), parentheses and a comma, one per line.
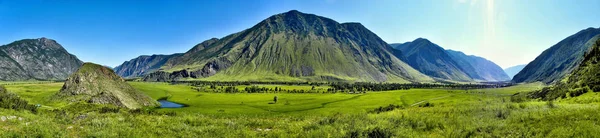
(94,83)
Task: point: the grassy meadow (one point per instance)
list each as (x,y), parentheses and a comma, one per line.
(415,113)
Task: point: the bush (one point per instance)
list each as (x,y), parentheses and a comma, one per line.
(551,104)
(12,101)
(386,108)
(519,97)
(502,114)
(426,105)
(109,110)
(579,91)
(379,133)
(596,88)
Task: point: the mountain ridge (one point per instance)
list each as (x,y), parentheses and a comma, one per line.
(447,64)
(294,46)
(37,59)
(143,65)
(479,68)
(431,59)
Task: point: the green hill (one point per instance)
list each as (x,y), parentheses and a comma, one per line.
(293,46)
(97,84)
(39,59)
(558,60)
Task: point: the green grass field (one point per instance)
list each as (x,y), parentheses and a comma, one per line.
(450,113)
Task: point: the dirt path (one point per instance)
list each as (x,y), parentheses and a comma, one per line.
(420,102)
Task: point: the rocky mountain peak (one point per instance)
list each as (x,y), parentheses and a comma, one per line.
(40,59)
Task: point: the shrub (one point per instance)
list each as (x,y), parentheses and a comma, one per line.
(109,110)
(579,91)
(502,114)
(596,88)
(379,133)
(12,101)
(551,104)
(386,108)
(426,105)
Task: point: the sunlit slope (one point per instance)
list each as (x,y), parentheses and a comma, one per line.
(583,79)
(588,72)
(295,46)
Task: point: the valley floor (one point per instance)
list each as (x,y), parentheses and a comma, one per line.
(414,113)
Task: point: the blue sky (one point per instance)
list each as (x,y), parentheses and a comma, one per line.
(508,32)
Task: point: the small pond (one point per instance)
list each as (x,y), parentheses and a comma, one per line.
(169,104)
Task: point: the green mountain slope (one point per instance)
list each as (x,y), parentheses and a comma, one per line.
(41,59)
(294,46)
(588,72)
(559,60)
(97,84)
(142,65)
(432,60)
(584,78)
(478,68)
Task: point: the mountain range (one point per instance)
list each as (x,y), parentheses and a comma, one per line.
(433,60)
(142,65)
(296,46)
(479,68)
(293,46)
(36,59)
(559,60)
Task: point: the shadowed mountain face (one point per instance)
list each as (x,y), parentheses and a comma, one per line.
(512,71)
(294,46)
(94,83)
(559,60)
(432,60)
(40,59)
(142,65)
(478,68)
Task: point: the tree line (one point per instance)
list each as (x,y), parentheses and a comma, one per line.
(336,87)
(369,86)
(257,89)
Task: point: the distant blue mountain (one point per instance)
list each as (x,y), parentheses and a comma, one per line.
(512,71)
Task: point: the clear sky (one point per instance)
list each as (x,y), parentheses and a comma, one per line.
(109,32)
